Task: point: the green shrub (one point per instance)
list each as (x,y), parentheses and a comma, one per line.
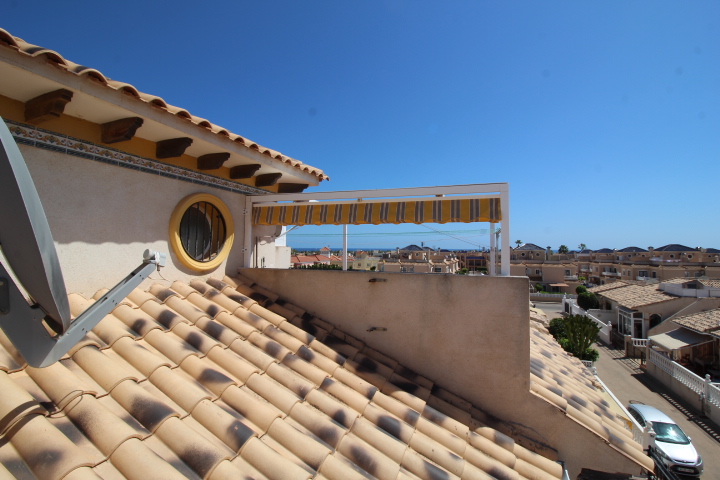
(557,328)
(587,301)
(580,289)
(590,354)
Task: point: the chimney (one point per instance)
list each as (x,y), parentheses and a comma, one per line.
(650,249)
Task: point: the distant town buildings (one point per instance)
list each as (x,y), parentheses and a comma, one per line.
(561,273)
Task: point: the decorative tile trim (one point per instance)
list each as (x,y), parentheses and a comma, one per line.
(41,138)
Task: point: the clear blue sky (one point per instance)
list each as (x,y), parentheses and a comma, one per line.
(604,117)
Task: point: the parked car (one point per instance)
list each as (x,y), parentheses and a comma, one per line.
(671,444)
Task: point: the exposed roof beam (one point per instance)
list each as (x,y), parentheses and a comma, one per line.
(48,105)
(267,180)
(212,161)
(173,147)
(244,171)
(120,130)
(292,187)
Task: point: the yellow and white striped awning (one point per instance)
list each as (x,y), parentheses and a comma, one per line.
(445,210)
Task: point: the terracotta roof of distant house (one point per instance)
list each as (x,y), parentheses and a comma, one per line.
(93,75)
(701,322)
(633,296)
(608,286)
(708,282)
(528,246)
(632,250)
(674,247)
(225,380)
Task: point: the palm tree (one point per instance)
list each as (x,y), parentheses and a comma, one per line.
(563,249)
(582,247)
(518,242)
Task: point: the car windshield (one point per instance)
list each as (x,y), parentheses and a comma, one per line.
(670,433)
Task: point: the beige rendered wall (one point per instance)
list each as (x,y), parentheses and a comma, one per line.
(468,334)
(103,217)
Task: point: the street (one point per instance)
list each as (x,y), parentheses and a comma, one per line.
(628,381)
(624,377)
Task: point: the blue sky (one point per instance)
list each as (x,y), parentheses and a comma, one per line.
(604,117)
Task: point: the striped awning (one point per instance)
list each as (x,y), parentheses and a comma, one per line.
(359,213)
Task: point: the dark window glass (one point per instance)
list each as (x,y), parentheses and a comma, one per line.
(202,231)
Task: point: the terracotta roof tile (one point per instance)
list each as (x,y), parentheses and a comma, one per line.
(189,383)
(26,48)
(608,286)
(633,296)
(701,322)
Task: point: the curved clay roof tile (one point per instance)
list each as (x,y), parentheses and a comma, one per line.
(155,100)
(219,130)
(179,112)
(36,51)
(201,122)
(124,87)
(82,70)
(5,37)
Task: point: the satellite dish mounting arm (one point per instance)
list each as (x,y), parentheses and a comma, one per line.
(29,251)
(23,323)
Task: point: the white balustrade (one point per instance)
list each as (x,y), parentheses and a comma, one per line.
(713,393)
(688,378)
(663,362)
(640,342)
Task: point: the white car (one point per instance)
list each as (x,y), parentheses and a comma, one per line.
(672,445)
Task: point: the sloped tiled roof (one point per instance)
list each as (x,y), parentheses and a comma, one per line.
(93,75)
(632,250)
(528,246)
(701,322)
(633,296)
(203,381)
(565,382)
(608,286)
(674,247)
(604,250)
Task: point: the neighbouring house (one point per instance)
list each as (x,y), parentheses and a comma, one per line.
(415,259)
(474,261)
(644,309)
(529,251)
(365,261)
(216,368)
(553,277)
(694,342)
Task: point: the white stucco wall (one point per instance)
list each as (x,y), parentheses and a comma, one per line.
(103,217)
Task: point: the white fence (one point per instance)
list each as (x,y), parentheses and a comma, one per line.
(552,295)
(701,386)
(571,306)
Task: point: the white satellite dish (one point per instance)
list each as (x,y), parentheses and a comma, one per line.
(28,247)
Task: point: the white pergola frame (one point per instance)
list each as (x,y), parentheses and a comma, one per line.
(480,190)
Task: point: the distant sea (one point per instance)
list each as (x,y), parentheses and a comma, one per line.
(364,249)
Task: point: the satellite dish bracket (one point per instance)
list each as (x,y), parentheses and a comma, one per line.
(23,323)
(42,328)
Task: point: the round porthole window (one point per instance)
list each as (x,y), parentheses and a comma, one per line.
(201,231)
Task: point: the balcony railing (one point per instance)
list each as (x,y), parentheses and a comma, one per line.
(585,269)
(611,274)
(571,278)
